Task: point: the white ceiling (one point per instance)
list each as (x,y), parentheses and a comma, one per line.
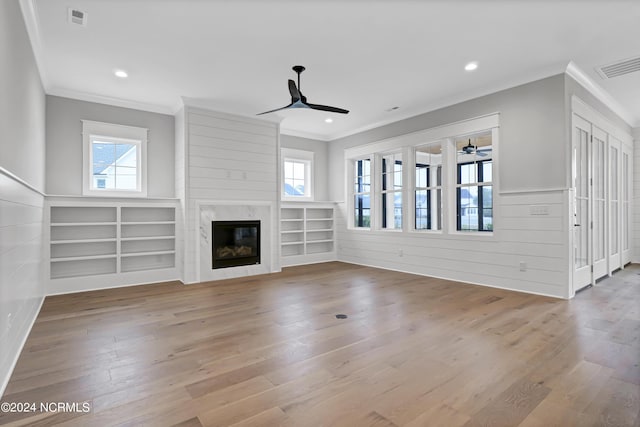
(365,56)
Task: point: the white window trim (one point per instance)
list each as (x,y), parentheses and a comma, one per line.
(303,156)
(351,179)
(380,193)
(446,135)
(433,187)
(130,134)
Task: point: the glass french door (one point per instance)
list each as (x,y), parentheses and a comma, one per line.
(599,203)
(614,205)
(581,209)
(590,204)
(625,205)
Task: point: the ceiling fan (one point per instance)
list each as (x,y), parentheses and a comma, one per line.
(298,100)
(471,149)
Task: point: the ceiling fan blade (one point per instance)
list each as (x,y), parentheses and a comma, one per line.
(277,109)
(481,154)
(328,108)
(293,90)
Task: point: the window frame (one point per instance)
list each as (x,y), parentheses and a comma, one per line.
(446,135)
(353,175)
(298,156)
(430,188)
(382,192)
(480,183)
(113,133)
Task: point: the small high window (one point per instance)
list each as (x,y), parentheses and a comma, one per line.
(114,160)
(297,174)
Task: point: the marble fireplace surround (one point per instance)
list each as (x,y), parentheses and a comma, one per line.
(209,211)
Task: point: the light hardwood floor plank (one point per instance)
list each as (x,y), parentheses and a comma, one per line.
(269,351)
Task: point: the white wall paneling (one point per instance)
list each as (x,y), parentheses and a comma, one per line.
(21,267)
(22,184)
(224,160)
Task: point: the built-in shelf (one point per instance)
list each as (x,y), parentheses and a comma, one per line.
(83,258)
(127,239)
(80,224)
(124,255)
(89,238)
(65,242)
(306,233)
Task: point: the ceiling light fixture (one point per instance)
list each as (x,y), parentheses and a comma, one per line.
(328,120)
(471,66)
(121,73)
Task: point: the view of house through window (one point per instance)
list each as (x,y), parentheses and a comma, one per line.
(391,191)
(474,191)
(362,193)
(114,164)
(114,160)
(428,187)
(295,176)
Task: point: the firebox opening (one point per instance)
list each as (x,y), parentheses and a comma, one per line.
(235,243)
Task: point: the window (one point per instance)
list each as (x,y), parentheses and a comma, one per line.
(391,191)
(474,192)
(114,160)
(297,174)
(362,193)
(438,182)
(428,187)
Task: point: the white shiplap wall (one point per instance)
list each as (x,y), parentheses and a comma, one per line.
(537,240)
(227,158)
(21,281)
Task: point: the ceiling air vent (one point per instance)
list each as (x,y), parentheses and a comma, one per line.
(619,68)
(77,17)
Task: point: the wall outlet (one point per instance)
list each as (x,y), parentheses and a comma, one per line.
(523,266)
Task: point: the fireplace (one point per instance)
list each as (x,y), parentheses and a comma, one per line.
(235,243)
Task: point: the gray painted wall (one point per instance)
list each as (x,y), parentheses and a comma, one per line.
(320,161)
(64,144)
(533,155)
(22,105)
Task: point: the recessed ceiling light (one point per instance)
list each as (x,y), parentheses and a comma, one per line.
(328,120)
(121,73)
(471,66)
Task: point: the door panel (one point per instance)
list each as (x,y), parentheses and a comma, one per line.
(599,192)
(614,205)
(582,215)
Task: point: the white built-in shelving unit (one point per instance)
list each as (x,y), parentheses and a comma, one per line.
(307,233)
(88,239)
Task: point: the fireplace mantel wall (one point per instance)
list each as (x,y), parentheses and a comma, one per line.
(226,165)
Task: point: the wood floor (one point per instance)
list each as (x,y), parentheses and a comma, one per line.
(269,351)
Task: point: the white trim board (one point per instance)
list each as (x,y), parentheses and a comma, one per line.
(462,127)
(602,95)
(583,110)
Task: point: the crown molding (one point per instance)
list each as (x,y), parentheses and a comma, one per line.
(602,95)
(108,100)
(31,22)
